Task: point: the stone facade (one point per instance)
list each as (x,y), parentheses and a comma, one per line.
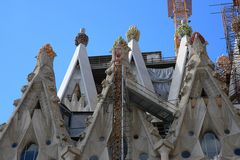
(202,123)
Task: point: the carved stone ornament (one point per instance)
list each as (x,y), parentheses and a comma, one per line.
(188,77)
(81,38)
(195,35)
(184,90)
(30,76)
(191,65)
(16,102)
(24,88)
(133,33)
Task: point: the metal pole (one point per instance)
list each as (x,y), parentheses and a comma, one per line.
(122,119)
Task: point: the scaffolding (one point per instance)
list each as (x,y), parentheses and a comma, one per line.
(228,13)
(230,18)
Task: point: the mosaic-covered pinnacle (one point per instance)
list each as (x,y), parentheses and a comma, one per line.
(121,43)
(47,48)
(184,29)
(81,38)
(133,33)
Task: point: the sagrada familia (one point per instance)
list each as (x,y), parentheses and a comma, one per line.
(125,106)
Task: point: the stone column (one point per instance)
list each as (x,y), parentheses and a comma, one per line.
(163,147)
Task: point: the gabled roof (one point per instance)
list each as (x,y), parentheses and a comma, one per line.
(37,117)
(204,107)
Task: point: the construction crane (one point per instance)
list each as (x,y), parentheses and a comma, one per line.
(179,11)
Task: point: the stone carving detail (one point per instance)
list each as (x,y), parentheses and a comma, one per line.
(24,88)
(188,77)
(55,99)
(16,102)
(195,35)
(30,77)
(184,90)
(2,126)
(81,38)
(191,65)
(133,33)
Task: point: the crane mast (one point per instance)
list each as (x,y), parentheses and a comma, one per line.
(179,11)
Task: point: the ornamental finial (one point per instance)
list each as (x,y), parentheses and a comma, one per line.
(121,43)
(184,29)
(133,33)
(120,51)
(81,38)
(48,49)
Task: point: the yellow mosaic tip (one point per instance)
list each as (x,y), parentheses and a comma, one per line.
(133,33)
(120,42)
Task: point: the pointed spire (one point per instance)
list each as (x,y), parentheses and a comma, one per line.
(120,43)
(80,70)
(143,77)
(46,55)
(120,51)
(81,38)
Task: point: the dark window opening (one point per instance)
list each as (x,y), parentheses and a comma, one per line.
(210,145)
(30,152)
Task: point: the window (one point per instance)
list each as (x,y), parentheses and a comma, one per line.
(93,157)
(210,145)
(185,154)
(143,156)
(30,152)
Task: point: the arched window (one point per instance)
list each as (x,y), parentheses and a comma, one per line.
(30,152)
(93,157)
(210,145)
(143,156)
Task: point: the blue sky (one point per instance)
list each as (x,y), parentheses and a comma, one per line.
(26,25)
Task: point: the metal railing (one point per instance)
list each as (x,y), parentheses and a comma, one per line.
(105,61)
(162,60)
(152,94)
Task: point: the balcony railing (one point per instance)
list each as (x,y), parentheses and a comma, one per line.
(102,62)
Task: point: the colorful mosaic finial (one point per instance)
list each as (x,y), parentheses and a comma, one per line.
(81,38)
(184,29)
(133,33)
(48,49)
(121,43)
